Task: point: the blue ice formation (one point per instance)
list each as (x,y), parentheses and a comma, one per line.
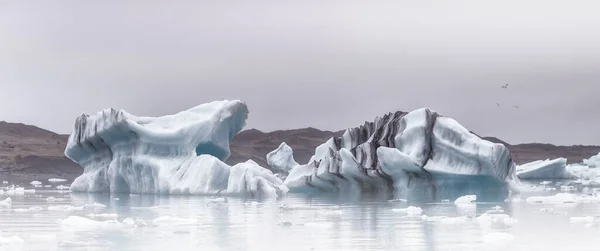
(174,154)
(416,155)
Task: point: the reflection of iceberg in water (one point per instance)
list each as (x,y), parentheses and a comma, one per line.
(416,155)
(174,154)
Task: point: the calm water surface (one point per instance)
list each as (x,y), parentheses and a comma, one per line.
(293,223)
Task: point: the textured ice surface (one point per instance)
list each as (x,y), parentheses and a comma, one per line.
(418,154)
(467,199)
(593,162)
(175,154)
(282,158)
(544,169)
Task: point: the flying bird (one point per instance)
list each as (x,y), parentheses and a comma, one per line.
(497,104)
(505,86)
(516,106)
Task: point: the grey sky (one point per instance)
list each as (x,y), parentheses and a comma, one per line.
(309,63)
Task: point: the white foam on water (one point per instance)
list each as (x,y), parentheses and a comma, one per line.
(410,211)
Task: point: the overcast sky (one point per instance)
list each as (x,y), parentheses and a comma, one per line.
(325,64)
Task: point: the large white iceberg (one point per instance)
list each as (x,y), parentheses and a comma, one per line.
(544,169)
(175,154)
(413,155)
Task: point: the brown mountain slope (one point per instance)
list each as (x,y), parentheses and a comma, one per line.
(26,149)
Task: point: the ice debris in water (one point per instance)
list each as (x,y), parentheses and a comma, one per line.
(496,209)
(78,223)
(467,199)
(285,224)
(61,187)
(53,199)
(445,201)
(410,211)
(66,208)
(567,188)
(544,183)
(56,180)
(496,220)
(106,216)
(6,202)
(216,201)
(35,183)
(302,207)
(561,198)
(397,201)
(95,205)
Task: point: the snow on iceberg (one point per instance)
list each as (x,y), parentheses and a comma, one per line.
(544,169)
(174,154)
(418,154)
(282,158)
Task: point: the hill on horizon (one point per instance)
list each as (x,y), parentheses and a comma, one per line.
(29,152)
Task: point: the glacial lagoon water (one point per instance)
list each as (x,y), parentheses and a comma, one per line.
(53,220)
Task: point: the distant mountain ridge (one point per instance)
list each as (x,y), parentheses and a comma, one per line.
(30,152)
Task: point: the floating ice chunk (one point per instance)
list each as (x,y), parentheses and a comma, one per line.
(285,224)
(454,220)
(398,201)
(561,198)
(465,200)
(21,210)
(66,208)
(47,186)
(544,169)
(173,221)
(134,223)
(303,207)
(104,216)
(593,162)
(567,188)
(545,183)
(410,211)
(78,223)
(36,209)
(216,201)
(62,187)
(282,158)
(6,202)
(95,205)
(587,219)
(496,220)
(445,201)
(496,209)
(35,183)
(56,180)
(51,199)
(498,237)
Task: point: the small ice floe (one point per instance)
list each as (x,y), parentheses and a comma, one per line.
(21,210)
(56,180)
(496,209)
(61,187)
(496,220)
(285,224)
(65,208)
(103,216)
(300,207)
(173,221)
(498,237)
(4,182)
(53,199)
(6,202)
(568,188)
(466,200)
(134,223)
(36,209)
(561,198)
(445,201)
(95,205)
(410,211)
(586,219)
(47,186)
(251,203)
(545,183)
(397,201)
(548,210)
(78,223)
(445,220)
(35,183)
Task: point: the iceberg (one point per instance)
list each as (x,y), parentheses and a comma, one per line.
(282,158)
(593,161)
(544,169)
(181,153)
(420,154)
